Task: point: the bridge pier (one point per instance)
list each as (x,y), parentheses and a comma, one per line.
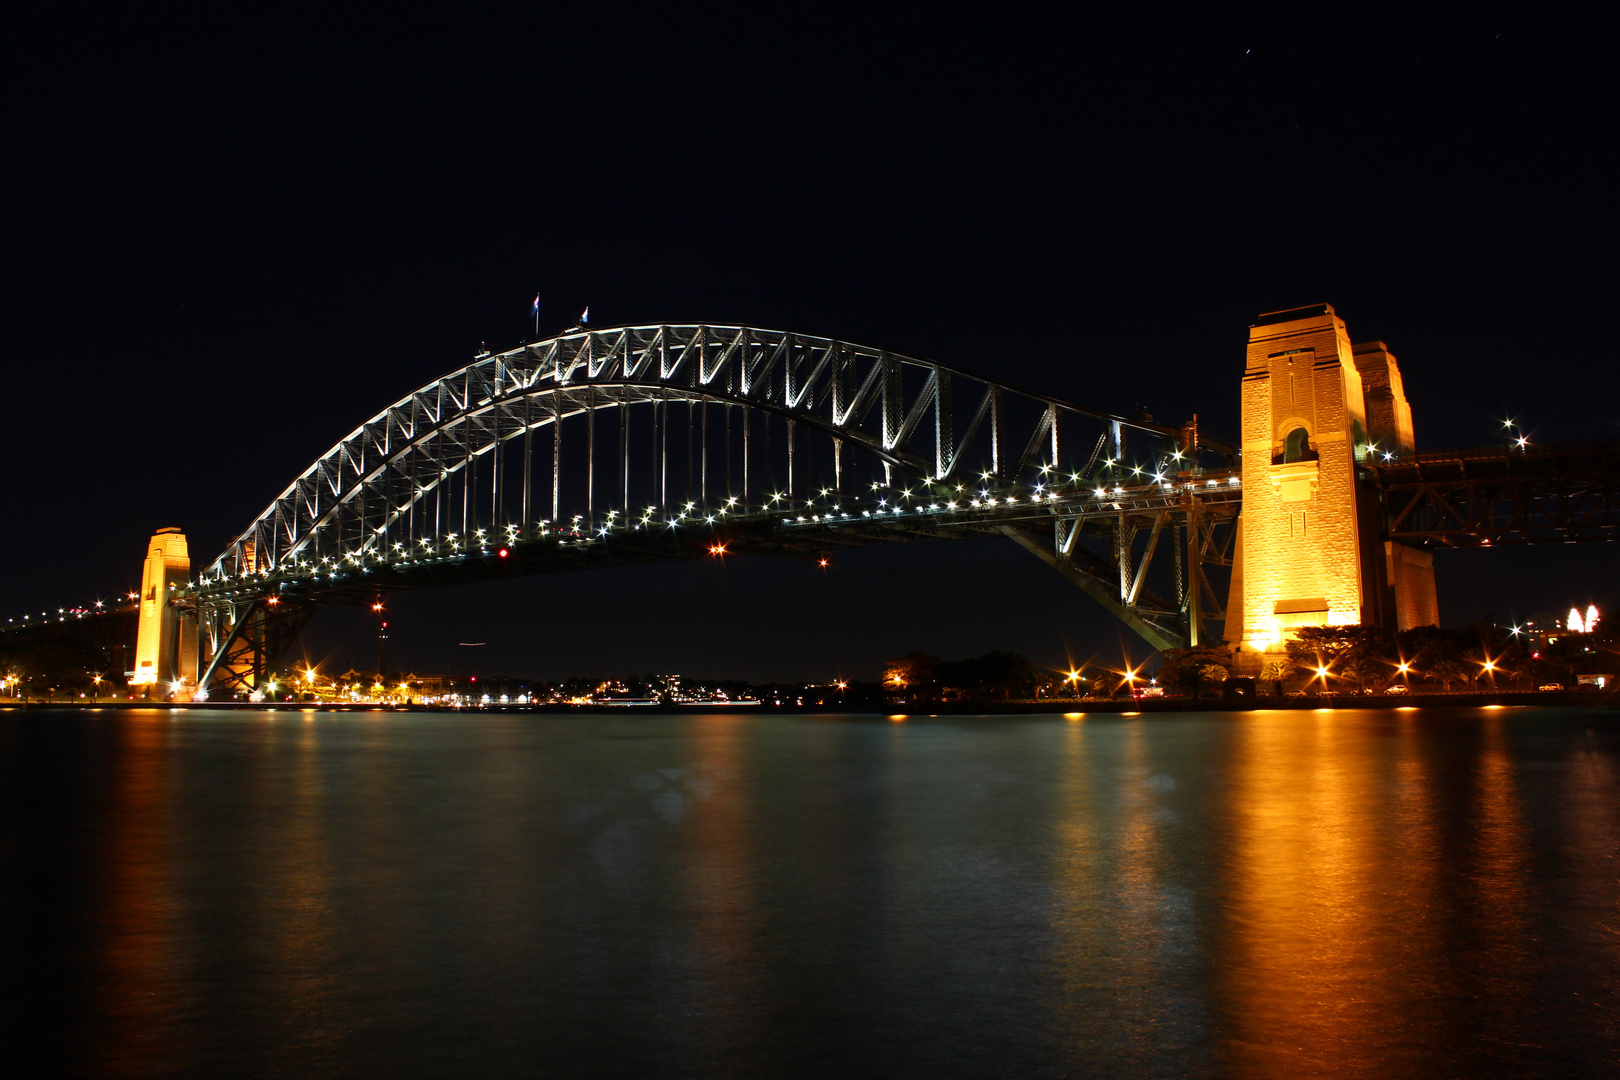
(1318,412)
(166,642)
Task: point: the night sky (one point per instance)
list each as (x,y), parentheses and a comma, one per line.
(229,242)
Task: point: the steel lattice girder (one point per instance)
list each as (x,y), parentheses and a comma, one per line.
(1556,494)
(349,497)
(326,538)
(255,638)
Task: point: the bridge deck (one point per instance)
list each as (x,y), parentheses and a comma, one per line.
(1483,497)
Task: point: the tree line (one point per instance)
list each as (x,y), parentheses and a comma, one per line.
(1369,659)
(1000,675)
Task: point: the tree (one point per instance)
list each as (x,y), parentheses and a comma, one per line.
(1190,669)
(1360,667)
(1275,672)
(1439,652)
(914,673)
(1006,674)
(995,674)
(1313,648)
(50,665)
(1447,670)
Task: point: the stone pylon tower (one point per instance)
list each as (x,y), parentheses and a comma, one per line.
(1310,545)
(165,644)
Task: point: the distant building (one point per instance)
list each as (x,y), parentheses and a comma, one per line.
(1541,630)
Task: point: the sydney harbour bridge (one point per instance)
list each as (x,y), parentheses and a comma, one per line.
(649,443)
(633,444)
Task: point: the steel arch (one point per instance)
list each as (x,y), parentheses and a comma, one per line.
(869,398)
(358,522)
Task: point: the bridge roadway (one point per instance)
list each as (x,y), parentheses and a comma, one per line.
(1049,519)
(1562,493)
(1467,498)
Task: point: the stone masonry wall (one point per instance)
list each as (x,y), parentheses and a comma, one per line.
(1301,549)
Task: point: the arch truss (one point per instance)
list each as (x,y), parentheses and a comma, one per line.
(613,439)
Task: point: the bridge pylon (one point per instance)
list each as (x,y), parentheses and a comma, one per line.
(166,641)
(1319,414)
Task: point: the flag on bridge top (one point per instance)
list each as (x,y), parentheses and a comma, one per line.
(536,310)
(585,316)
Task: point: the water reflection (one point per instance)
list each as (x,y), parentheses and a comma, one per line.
(1336,894)
(134,904)
(1129,928)
(1328,875)
(1497,904)
(718,872)
(293,923)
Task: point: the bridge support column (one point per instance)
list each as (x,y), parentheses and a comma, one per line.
(164,641)
(1311,545)
(556,459)
(1195,578)
(261,632)
(528,458)
(590,459)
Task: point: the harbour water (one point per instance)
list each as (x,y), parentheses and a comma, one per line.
(1376,893)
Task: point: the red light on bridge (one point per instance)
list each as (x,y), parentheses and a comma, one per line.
(503,553)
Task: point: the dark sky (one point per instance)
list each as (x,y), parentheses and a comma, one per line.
(229,242)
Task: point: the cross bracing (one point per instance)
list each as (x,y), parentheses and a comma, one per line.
(1478,498)
(598,440)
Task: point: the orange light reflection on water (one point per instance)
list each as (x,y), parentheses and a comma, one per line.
(1329,883)
(133,927)
(719,876)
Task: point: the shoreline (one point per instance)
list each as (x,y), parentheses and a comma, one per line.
(1475,699)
